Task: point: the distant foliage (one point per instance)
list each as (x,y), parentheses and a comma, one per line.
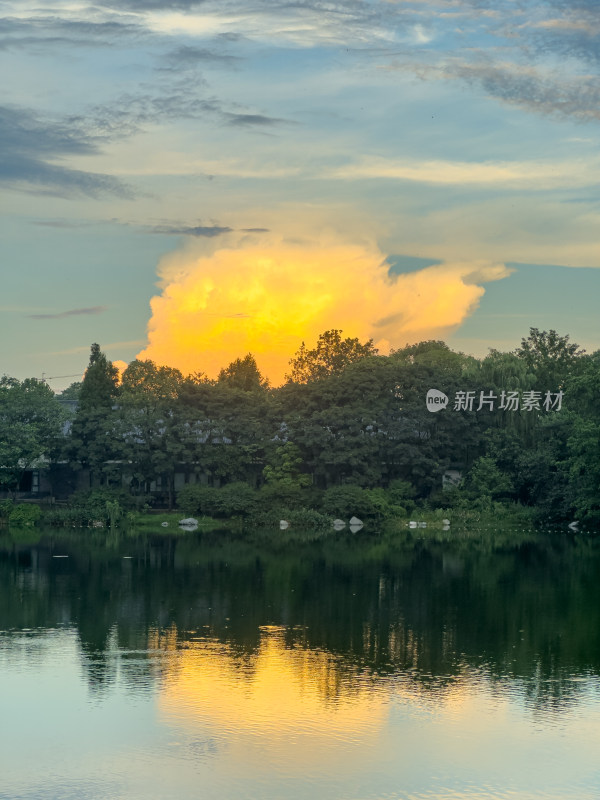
(72,391)
(354,501)
(6,506)
(96,499)
(233,500)
(94,508)
(25,515)
(299,519)
(72,517)
(31,421)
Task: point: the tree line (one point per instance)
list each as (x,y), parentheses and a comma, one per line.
(520,427)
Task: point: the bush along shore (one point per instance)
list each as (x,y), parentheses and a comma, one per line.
(239,507)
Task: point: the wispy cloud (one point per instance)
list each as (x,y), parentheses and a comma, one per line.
(192,56)
(132,112)
(153,5)
(548,92)
(29,146)
(253,120)
(86,348)
(302,23)
(43,33)
(207,231)
(534,175)
(64,224)
(201,231)
(74,312)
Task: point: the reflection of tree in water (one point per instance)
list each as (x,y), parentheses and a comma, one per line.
(433,616)
(97,658)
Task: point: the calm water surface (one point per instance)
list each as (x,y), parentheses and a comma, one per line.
(355,668)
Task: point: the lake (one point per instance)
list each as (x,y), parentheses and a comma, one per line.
(415,666)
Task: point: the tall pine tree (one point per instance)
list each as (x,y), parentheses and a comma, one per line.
(93,443)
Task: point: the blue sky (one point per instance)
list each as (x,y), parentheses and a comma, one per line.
(138,139)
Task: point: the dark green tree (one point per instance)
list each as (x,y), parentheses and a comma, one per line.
(244,374)
(550,358)
(583,442)
(71,392)
(151,430)
(31,422)
(485,482)
(228,430)
(330,356)
(148,384)
(100,382)
(94,442)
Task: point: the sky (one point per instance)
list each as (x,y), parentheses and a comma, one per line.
(189,181)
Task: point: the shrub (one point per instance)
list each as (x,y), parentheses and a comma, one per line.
(309,519)
(112,512)
(400,490)
(232,500)
(235,500)
(348,500)
(300,519)
(282,493)
(76,517)
(380,505)
(400,495)
(6,506)
(96,499)
(197,499)
(25,514)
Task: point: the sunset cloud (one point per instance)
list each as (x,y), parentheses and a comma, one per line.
(268,297)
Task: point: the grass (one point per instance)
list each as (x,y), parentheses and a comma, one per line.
(155,523)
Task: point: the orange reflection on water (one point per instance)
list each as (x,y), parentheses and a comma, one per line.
(265,722)
(279,689)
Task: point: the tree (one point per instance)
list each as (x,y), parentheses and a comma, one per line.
(550,358)
(243,373)
(31,421)
(584,440)
(93,442)
(144,383)
(330,357)
(486,482)
(434,354)
(420,445)
(150,428)
(71,392)
(369,424)
(227,430)
(100,382)
(584,451)
(284,467)
(285,482)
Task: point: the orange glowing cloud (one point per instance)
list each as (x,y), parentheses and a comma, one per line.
(121,366)
(265,295)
